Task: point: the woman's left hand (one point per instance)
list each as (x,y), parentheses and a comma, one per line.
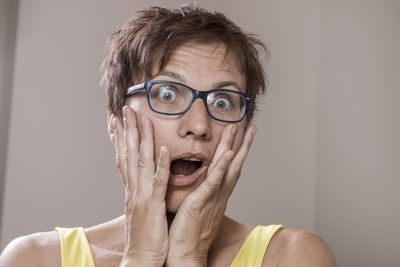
(197,221)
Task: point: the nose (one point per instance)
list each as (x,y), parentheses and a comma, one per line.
(196,121)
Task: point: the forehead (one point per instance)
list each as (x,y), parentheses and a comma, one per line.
(198,61)
(216,51)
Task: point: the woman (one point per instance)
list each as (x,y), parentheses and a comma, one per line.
(182,87)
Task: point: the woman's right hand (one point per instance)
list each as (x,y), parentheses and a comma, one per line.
(146,228)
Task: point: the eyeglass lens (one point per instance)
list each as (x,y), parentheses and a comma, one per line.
(174,98)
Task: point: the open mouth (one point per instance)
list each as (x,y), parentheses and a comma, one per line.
(185,171)
(185,166)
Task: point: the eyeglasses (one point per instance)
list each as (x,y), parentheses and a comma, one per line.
(173,98)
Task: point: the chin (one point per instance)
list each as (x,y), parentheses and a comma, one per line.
(174,199)
(177,194)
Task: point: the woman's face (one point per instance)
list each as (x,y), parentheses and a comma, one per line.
(194,133)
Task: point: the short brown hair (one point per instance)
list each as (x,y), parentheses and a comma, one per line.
(158,31)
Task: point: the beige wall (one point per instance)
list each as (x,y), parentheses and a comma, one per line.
(61,164)
(326,132)
(8,21)
(359,128)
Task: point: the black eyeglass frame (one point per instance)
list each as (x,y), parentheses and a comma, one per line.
(196,94)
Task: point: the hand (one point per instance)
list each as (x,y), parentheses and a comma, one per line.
(196,223)
(146,229)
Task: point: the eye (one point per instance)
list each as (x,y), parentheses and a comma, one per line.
(167,93)
(222,103)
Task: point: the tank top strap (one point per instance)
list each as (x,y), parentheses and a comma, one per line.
(75,249)
(253,249)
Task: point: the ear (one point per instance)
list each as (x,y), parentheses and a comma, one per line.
(110,128)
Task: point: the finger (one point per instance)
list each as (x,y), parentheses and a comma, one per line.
(118,136)
(145,162)
(160,181)
(213,181)
(131,147)
(225,144)
(111,128)
(234,169)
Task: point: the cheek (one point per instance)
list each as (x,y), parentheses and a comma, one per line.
(140,106)
(164,132)
(239,136)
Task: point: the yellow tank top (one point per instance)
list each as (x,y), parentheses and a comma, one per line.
(75,249)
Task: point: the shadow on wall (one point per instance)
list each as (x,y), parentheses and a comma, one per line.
(8,30)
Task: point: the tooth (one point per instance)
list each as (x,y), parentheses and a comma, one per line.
(192,159)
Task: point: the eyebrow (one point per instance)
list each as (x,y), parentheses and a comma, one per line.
(171,75)
(223,84)
(216,85)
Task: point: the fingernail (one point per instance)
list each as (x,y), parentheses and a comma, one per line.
(254,130)
(163,151)
(113,125)
(234,129)
(229,155)
(125,111)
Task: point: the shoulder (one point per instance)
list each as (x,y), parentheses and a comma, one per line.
(292,247)
(39,249)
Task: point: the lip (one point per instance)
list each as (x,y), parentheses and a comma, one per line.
(180,180)
(206,161)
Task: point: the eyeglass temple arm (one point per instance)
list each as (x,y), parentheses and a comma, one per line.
(135,88)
